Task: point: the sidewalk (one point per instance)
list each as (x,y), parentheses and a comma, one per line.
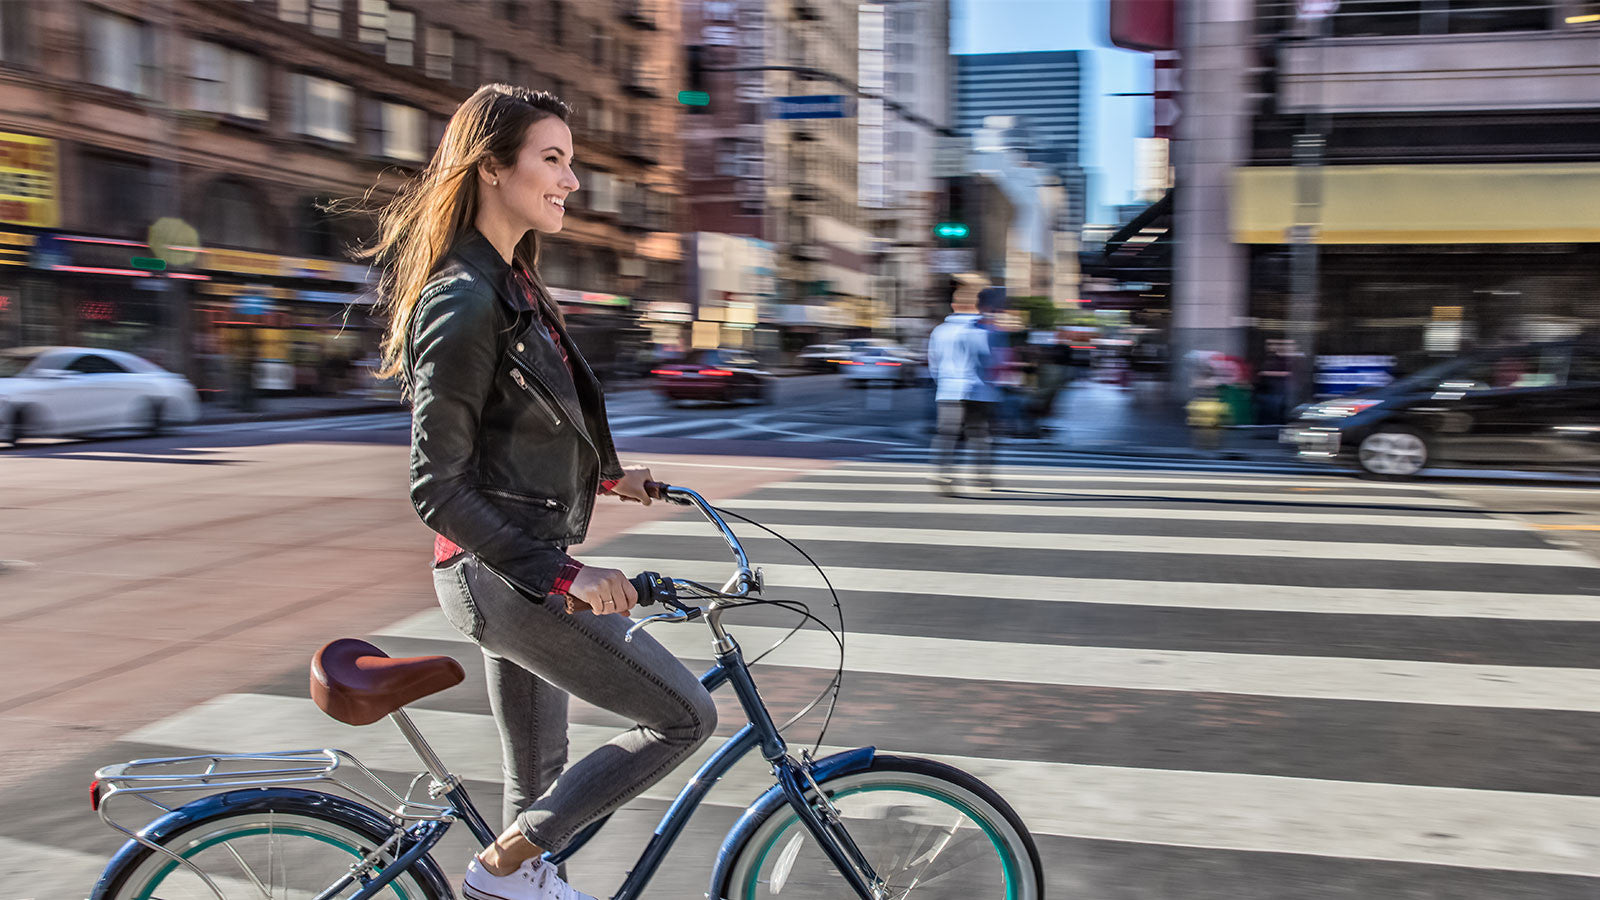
(296,407)
(1093,417)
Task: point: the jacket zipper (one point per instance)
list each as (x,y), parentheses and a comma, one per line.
(550,502)
(522,382)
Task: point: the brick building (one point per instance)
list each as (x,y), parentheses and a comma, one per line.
(164,165)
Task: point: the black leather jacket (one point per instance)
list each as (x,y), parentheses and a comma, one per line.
(508,447)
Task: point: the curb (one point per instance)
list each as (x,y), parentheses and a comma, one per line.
(365,409)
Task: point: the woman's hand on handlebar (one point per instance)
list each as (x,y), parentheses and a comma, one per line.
(604,590)
(633,485)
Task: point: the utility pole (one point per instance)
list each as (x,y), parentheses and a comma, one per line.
(1309,151)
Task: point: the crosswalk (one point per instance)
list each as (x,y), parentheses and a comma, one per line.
(1199,684)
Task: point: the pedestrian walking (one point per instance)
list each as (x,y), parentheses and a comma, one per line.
(962,357)
(509,449)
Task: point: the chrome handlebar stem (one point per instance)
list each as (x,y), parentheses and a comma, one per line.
(739,584)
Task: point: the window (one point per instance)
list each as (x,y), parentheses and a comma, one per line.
(495,66)
(372,25)
(727,156)
(558,21)
(404,130)
(322,108)
(395,30)
(15,33)
(327,18)
(603,192)
(121,188)
(466,61)
(599,46)
(90,364)
(226,81)
(295,11)
(510,10)
(121,52)
(441,52)
(401,49)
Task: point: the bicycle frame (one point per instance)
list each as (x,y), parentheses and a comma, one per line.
(792,778)
(412,844)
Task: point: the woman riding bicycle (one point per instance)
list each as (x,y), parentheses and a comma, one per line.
(509,449)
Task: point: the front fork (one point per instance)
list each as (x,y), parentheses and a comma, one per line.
(821,818)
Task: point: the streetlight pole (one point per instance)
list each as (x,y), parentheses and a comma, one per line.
(1309,152)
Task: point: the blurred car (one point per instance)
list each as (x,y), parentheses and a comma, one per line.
(856,346)
(879,365)
(69,391)
(1533,406)
(725,375)
(822,357)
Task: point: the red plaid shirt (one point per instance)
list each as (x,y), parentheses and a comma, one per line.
(445,550)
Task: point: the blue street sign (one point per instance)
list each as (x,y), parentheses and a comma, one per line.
(810,106)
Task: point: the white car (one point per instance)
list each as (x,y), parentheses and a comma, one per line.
(80,390)
(876,364)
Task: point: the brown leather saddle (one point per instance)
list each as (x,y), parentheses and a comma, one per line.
(358,684)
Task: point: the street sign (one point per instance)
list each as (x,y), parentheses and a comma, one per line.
(952,260)
(810,106)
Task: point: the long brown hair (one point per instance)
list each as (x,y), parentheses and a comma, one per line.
(428,216)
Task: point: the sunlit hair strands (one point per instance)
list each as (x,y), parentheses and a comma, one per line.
(428,215)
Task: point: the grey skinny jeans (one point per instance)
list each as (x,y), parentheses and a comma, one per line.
(536,654)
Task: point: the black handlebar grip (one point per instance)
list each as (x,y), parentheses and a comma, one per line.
(656,489)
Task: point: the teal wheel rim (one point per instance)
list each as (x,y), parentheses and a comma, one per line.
(1007,861)
(161,875)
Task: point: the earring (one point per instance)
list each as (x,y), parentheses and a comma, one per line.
(497,182)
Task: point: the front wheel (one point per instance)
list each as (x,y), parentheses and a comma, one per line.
(926,830)
(1393,452)
(259,854)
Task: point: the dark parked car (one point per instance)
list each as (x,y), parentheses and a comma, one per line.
(1534,406)
(725,375)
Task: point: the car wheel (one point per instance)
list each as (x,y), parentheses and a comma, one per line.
(15,427)
(1393,452)
(154,418)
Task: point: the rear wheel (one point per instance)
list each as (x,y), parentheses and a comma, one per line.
(258,855)
(1393,452)
(154,419)
(14,427)
(926,830)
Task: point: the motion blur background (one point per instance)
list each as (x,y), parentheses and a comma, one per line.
(1361,186)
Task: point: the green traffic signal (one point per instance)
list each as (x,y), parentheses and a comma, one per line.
(951,229)
(694,98)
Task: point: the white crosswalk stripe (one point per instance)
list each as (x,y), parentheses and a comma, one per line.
(1400,686)
(1401,823)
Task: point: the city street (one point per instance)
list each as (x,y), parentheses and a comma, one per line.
(1194,682)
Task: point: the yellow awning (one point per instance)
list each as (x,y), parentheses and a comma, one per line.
(1527,203)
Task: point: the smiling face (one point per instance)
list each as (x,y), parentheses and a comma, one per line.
(534,190)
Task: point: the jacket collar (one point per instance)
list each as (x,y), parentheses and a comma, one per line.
(476,252)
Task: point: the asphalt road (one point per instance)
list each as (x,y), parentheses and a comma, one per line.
(1191,681)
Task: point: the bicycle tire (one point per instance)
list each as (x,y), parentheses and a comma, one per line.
(295,843)
(779,840)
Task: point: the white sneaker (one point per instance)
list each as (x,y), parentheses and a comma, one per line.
(535,880)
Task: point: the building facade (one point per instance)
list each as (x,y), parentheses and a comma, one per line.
(789,182)
(1406,180)
(170,165)
(1045,90)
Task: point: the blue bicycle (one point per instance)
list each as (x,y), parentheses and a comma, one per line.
(856,823)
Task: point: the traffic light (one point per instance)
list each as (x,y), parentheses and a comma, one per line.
(697,98)
(951,231)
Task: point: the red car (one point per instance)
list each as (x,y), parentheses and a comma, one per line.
(725,375)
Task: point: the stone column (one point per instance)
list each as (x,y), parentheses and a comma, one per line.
(1210,296)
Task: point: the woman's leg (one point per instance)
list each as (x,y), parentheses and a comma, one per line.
(585,655)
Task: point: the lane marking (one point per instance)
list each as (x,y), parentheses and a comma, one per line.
(1175,494)
(1128,592)
(1036,510)
(1482,829)
(1184,671)
(1145,543)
